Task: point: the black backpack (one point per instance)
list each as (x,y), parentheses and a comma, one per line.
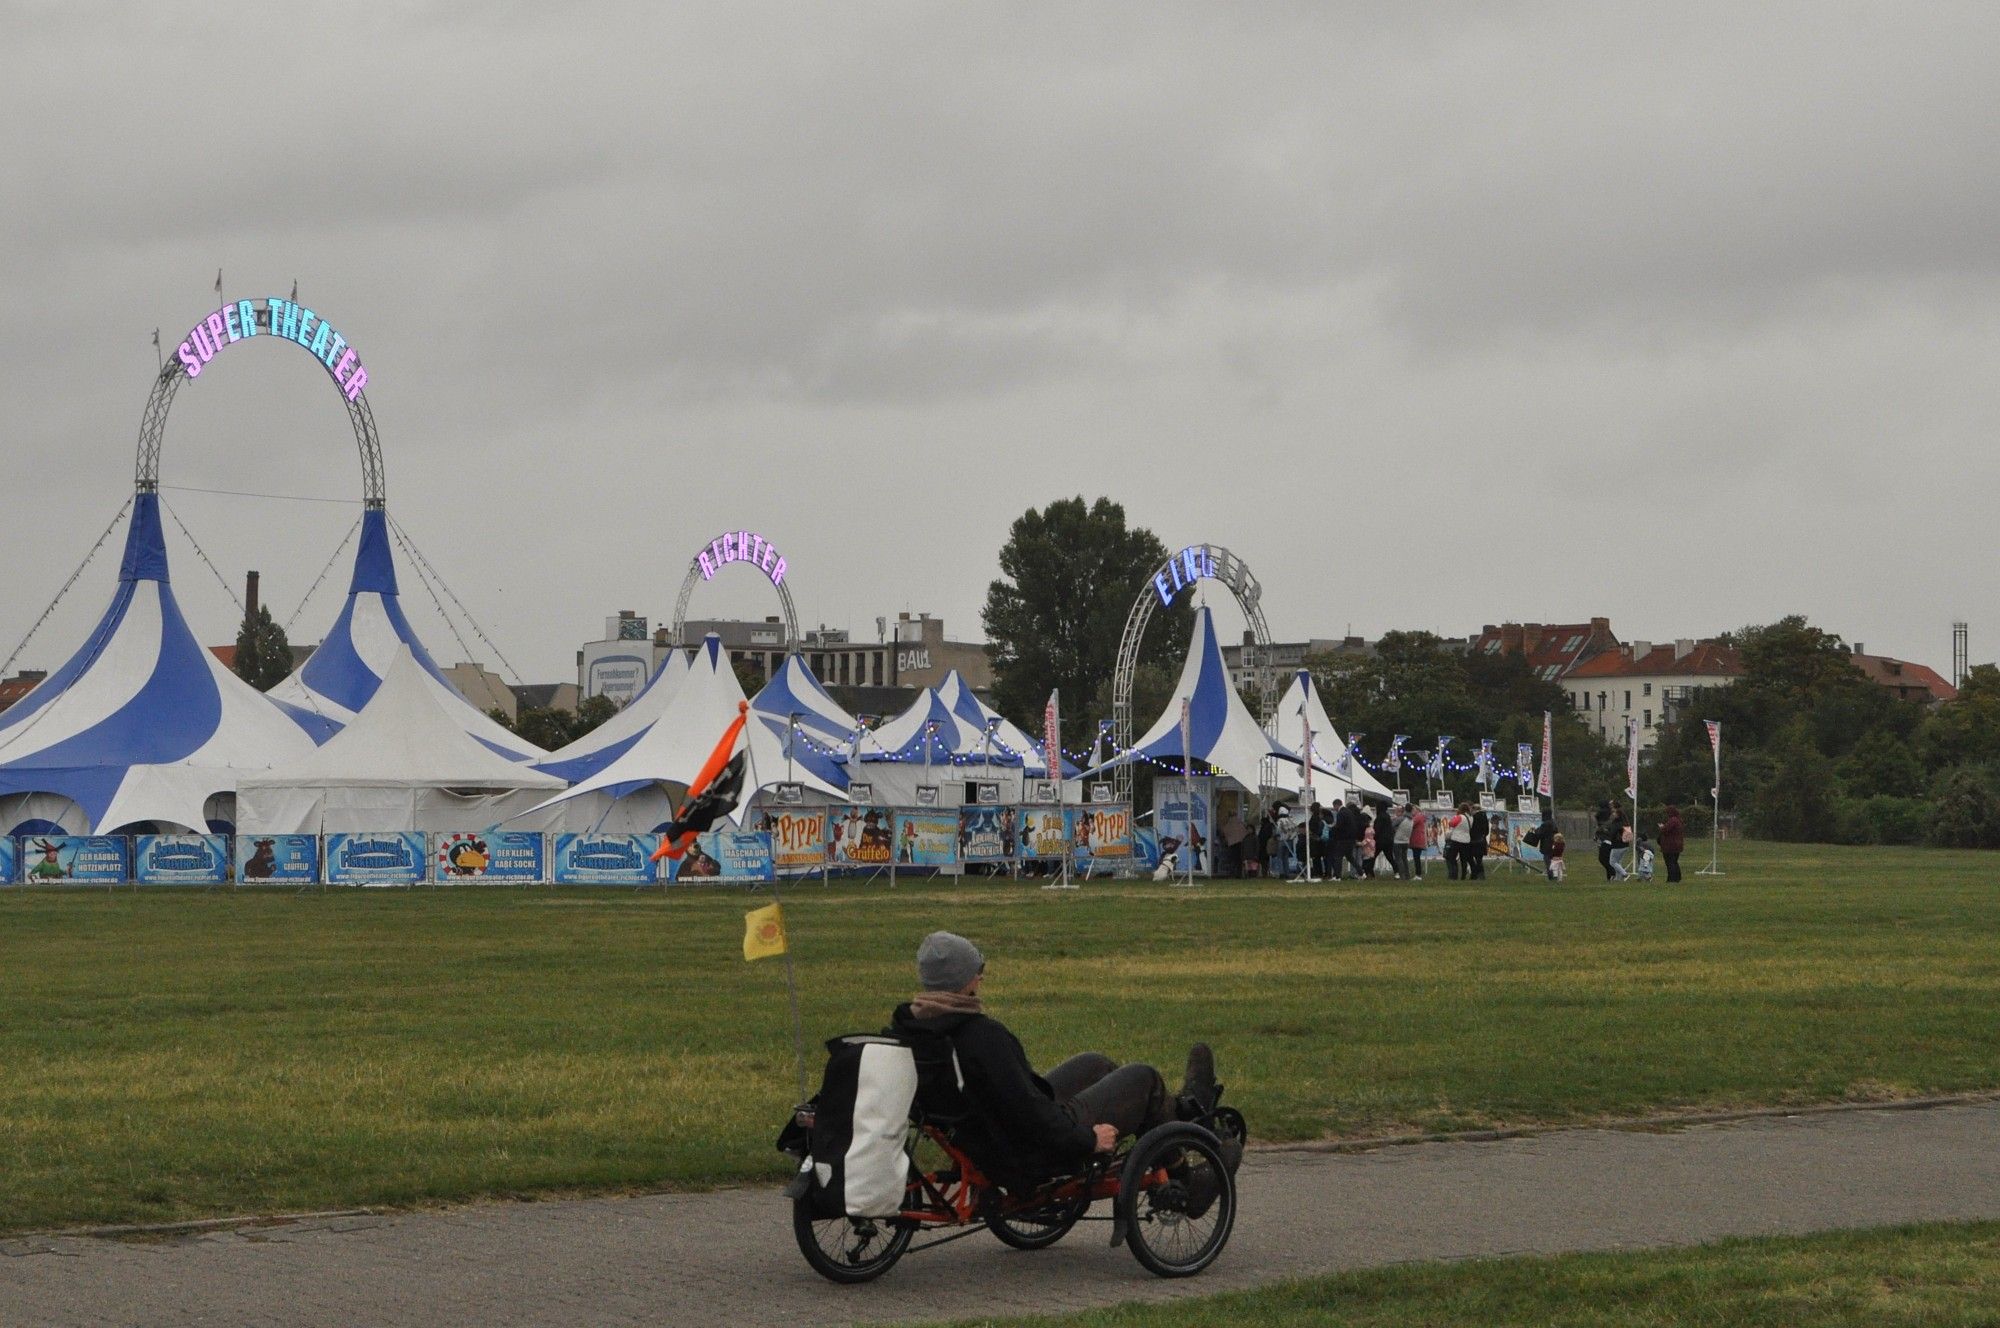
(854,1158)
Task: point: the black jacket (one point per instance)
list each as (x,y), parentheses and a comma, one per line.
(1013,1118)
(1481,825)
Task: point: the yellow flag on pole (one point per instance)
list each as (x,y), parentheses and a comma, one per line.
(764,932)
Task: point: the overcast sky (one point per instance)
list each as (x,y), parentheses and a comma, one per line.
(1683,314)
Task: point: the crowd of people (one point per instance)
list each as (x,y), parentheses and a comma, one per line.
(1626,855)
(1356,841)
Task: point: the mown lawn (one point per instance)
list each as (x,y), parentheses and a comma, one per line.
(1933,1276)
(177,1054)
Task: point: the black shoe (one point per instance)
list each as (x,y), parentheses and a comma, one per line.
(1200,1184)
(1198,1087)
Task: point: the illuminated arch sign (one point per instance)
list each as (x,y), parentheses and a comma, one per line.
(1190,565)
(741,546)
(243,319)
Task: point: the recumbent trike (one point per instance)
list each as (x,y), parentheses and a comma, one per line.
(861,1196)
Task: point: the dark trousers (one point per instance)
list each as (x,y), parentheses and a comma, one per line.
(1604,860)
(1673,866)
(1131,1097)
(1399,861)
(1477,861)
(1453,859)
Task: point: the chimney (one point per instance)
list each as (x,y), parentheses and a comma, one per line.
(1860,649)
(1511,637)
(250,597)
(1683,647)
(1600,624)
(1641,649)
(1249,638)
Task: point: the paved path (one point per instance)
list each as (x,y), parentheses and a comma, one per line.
(729,1258)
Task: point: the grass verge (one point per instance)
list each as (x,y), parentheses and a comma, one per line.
(169,1055)
(1940,1276)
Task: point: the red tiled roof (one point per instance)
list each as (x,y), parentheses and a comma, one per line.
(1915,681)
(1708,659)
(227,654)
(1552,649)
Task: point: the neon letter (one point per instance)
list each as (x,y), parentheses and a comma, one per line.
(202,345)
(340,370)
(306,319)
(778,572)
(333,351)
(185,354)
(321,335)
(290,328)
(770,552)
(357,382)
(707,567)
(1192,558)
(229,322)
(246,317)
(215,330)
(1160,587)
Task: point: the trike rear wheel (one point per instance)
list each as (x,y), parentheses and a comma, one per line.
(849,1249)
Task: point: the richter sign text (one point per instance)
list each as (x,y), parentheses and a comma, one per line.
(741,546)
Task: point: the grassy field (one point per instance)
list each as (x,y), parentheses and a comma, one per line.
(176,1054)
(1934,1276)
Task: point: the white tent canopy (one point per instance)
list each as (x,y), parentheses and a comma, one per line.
(406,762)
(1299,706)
(630,792)
(604,744)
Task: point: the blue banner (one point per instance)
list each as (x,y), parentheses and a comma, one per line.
(181,859)
(386,857)
(606,859)
(471,856)
(927,838)
(988,834)
(287,859)
(727,855)
(92,859)
(10,860)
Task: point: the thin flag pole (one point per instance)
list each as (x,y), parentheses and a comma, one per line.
(792,992)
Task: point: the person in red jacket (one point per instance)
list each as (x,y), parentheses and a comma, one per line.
(1673,838)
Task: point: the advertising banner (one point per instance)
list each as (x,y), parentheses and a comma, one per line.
(489,855)
(90,859)
(1043,832)
(988,834)
(727,855)
(1184,816)
(180,859)
(927,839)
(10,860)
(1146,847)
(284,859)
(798,836)
(1519,826)
(388,857)
(606,859)
(1099,831)
(861,837)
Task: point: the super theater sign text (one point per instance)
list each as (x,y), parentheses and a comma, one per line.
(280,318)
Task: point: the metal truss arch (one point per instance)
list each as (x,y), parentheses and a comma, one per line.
(153,429)
(1233,573)
(694,578)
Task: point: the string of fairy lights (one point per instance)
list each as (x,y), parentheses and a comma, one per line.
(1436,764)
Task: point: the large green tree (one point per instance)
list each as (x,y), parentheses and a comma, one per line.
(263,655)
(1068,576)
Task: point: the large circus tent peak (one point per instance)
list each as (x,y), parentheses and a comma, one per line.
(406,760)
(1221,733)
(142,724)
(584,757)
(634,791)
(344,671)
(1299,707)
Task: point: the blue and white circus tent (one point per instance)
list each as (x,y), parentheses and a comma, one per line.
(579,760)
(940,744)
(1298,707)
(635,791)
(825,733)
(1222,734)
(143,724)
(1008,736)
(343,673)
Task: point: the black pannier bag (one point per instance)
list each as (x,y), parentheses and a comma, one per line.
(854,1156)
